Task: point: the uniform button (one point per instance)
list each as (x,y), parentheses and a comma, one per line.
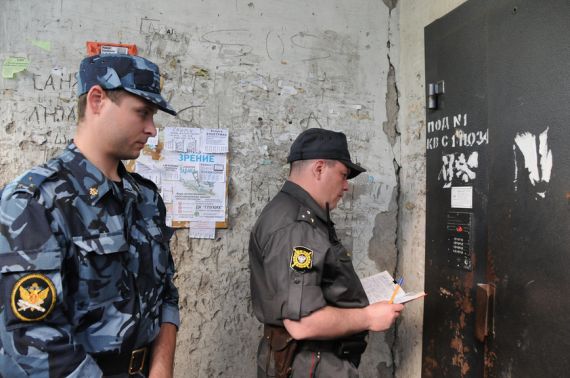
(297,280)
(303,216)
(308,212)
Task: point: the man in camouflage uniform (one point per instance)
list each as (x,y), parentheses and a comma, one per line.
(303,285)
(86,270)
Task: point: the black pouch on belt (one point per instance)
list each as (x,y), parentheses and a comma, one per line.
(351,349)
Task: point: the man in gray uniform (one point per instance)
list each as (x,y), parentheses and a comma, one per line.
(304,288)
(86,272)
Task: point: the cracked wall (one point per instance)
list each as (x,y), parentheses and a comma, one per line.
(266,71)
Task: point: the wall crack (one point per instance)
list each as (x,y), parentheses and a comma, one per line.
(392,130)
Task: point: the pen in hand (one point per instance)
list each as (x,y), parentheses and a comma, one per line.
(398,284)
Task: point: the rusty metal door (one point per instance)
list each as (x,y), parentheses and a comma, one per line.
(498,191)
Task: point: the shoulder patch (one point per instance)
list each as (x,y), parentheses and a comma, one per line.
(301,259)
(33,297)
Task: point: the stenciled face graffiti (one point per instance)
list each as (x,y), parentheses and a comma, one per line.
(532,162)
(460,167)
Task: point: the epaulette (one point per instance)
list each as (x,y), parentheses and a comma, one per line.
(33,179)
(306,215)
(140,179)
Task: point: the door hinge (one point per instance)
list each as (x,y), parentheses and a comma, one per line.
(434,90)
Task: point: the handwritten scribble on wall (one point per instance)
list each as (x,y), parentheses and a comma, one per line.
(537,158)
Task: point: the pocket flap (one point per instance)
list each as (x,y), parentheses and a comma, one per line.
(102,244)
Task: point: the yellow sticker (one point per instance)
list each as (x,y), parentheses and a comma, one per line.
(302,258)
(33,297)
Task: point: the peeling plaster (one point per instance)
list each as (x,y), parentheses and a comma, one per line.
(390,126)
(391,129)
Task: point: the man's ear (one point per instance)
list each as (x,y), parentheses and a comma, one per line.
(95,99)
(317,168)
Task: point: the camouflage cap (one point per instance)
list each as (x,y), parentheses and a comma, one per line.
(134,74)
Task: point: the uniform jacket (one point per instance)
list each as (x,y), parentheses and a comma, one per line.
(85,267)
(298,266)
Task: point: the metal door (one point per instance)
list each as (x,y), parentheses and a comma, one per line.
(498,191)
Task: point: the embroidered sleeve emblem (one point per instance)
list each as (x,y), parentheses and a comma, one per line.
(301,258)
(33,297)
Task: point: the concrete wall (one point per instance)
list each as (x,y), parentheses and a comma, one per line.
(265,70)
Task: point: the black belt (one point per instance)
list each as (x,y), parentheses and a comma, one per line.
(113,363)
(347,349)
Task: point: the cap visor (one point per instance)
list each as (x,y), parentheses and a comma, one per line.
(355,169)
(156,99)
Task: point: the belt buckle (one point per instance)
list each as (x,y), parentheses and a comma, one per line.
(135,360)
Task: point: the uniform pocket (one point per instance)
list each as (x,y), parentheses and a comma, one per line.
(102,260)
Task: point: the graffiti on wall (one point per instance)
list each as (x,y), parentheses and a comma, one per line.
(532,162)
(452,132)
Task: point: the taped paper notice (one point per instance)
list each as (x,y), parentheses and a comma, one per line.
(202,230)
(44,45)
(462,197)
(114,50)
(215,141)
(13,65)
(182,139)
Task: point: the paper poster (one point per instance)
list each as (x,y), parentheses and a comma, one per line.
(191,177)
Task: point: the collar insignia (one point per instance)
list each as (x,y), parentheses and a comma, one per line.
(301,259)
(93,191)
(33,297)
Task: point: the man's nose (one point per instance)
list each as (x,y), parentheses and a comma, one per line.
(150,128)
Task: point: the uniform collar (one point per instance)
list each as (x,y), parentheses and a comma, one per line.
(305,198)
(89,180)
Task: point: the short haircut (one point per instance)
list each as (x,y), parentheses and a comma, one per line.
(298,165)
(115,95)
